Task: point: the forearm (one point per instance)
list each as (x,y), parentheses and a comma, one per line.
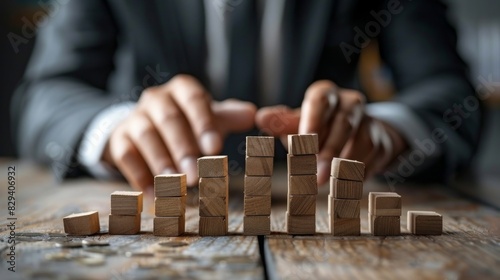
(52,116)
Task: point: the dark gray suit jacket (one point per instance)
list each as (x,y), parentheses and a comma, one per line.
(94,53)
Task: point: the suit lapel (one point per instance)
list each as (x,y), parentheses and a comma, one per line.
(182,35)
(305,27)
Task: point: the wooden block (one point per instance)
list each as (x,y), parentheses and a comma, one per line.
(302,165)
(212,226)
(170,206)
(257,185)
(385,225)
(124,224)
(346,189)
(348,169)
(345,227)
(212,166)
(425,223)
(260,146)
(303,184)
(169,226)
(256,225)
(301,205)
(303,144)
(344,208)
(170,185)
(213,206)
(259,166)
(214,187)
(86,223)
(126,203)
(257,205)
(371,198)
(384,204)
(300,224)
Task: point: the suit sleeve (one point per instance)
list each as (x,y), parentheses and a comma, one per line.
(419,46)
(64,86)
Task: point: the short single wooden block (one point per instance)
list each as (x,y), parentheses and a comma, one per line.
(425,223)
(169,226)
(345,227)
(259,166)
(214,187)
(302,165)
(303,144)
(212,166)
(384,204)
(212,226)
(170,206)
(302,184)
(348,169)
(257,205)
(301,205)
(256,225)
(86,223)
(344,208)
(213,206)
(385,225)
(126,203)
(260,146)
(299,225)
(124,224)
(257,185)
(170,185)
(346,189)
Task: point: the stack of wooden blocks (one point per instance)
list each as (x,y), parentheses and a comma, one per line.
(424,223)
(214,187)
(126,209)
(344,200)
(86,223)
(258,172)
(302,183)
(170,205)
(384,213)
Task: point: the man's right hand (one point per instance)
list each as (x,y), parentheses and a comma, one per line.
(172,125)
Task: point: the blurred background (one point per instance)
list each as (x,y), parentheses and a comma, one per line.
(477,23)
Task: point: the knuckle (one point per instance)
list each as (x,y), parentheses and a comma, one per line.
(123,154)
(171,115)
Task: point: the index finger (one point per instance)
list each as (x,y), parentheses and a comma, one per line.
(195,102)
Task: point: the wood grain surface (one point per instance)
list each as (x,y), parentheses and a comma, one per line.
(469,247)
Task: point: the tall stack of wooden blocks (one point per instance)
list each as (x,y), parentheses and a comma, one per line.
(425,223)
(384,213)
(258,172)
(170,205)
(214,188)
(126,209)
(344,200)
(302,183)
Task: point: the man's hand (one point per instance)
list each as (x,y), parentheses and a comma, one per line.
(172,125)
(343,128)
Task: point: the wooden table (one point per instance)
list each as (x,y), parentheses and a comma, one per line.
(469,247)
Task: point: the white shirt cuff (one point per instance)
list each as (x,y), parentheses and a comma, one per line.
(403,119)
(96,136)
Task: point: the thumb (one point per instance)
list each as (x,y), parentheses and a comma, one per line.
(233,115)
(278,120)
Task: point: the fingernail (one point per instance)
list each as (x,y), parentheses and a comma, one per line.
(188,166)
(210,142)
(168,170)
(323,171)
